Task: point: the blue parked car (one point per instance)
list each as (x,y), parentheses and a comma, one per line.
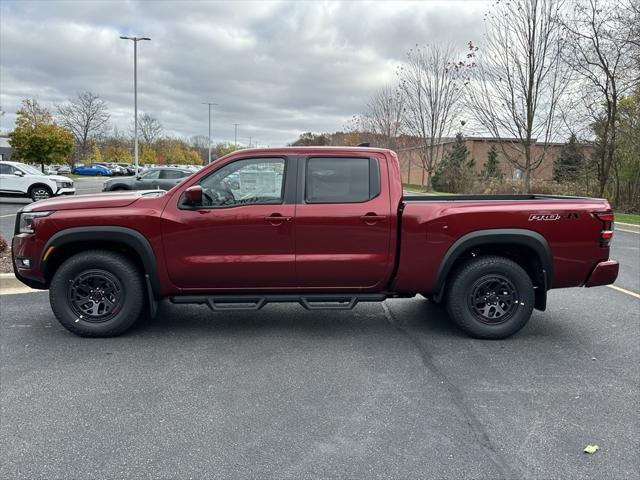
(93,170)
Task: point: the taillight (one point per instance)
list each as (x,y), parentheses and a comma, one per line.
(607,227)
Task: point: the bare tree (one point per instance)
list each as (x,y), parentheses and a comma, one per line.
(32,114)
(431,83)
(603,52)
(519,80)
(87,117)
(150,129)
(384,115)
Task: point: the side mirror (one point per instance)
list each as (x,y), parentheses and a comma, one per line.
(18,173)
(138,177)
(193,195)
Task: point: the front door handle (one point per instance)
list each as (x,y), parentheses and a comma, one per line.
(277,219)
(372,218)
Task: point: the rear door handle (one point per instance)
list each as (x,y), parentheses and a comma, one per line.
(372,219)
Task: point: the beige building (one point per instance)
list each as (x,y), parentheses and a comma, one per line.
(413,172)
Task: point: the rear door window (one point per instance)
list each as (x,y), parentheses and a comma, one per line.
(341,180)
(172,174)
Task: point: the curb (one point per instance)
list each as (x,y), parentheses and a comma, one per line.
(627,226)
(9,284)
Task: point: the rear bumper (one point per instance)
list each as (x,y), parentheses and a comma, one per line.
(604,273)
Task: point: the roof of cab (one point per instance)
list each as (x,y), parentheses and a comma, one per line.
(310,150)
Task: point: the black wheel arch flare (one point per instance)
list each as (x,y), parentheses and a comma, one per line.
(127,236)
(495,237)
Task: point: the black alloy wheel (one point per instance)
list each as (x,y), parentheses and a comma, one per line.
(96,296)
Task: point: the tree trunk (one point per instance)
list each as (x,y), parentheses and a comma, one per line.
(428,187)
(526,181)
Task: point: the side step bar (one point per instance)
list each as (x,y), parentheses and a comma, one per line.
(227,303)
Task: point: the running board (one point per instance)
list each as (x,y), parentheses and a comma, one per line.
(228,303)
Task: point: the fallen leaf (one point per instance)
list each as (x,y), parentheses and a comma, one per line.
(591,449)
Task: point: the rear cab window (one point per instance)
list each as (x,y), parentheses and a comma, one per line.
(341,180)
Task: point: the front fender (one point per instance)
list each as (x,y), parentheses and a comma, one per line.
(127,236)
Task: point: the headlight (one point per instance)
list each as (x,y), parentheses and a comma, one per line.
(64,184)
(27,219)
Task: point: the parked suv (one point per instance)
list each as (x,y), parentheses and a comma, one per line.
(21,180)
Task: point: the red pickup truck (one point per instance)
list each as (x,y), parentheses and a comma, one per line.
(326,227)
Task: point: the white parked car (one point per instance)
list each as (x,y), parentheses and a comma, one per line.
(21,180)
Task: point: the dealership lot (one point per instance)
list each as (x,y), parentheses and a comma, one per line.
(386,390)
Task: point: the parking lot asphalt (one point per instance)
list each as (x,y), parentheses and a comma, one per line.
(387,390)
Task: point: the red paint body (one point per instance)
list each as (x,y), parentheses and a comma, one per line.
(321,247)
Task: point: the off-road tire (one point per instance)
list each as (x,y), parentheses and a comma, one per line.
(114,266)
(462,295)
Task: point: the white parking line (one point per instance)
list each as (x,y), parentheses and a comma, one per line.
(628,231)
(10,215)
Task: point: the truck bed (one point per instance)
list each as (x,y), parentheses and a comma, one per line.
(476,198)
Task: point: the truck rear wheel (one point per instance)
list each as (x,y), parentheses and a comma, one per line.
(490,297)
(97,293)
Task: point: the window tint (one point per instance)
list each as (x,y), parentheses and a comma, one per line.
(341,180)
(172,174)
(6,169)
(151,174)
(256,180)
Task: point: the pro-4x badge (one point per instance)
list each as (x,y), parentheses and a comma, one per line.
(544,217)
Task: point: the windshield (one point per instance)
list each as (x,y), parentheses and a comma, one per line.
(29,169)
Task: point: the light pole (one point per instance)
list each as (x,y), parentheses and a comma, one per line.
(135,93)
(209,103)
(235,141)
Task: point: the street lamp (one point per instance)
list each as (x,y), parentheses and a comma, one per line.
(235,136)
(209,103)
(135,92)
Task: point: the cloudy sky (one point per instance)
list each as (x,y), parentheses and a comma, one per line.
(275,68)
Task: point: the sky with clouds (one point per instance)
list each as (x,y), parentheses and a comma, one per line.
(276,68)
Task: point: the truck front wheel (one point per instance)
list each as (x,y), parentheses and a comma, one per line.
(490,297)
(97,293)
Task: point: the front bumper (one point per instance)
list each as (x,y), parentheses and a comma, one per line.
(23,247)
(604,273)
(66,191)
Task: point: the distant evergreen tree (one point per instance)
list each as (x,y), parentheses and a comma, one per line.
(492,166)
(570,163)
(456,170)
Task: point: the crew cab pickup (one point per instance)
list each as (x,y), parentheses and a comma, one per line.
(326,227)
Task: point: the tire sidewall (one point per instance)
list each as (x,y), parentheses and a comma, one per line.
(131,290)
(460,311)
(35,189)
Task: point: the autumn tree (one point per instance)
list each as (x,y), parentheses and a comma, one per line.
(37,139)
(627,161)
(602,52)
(312,139)
(519,80)
(87,117)
(431,82)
